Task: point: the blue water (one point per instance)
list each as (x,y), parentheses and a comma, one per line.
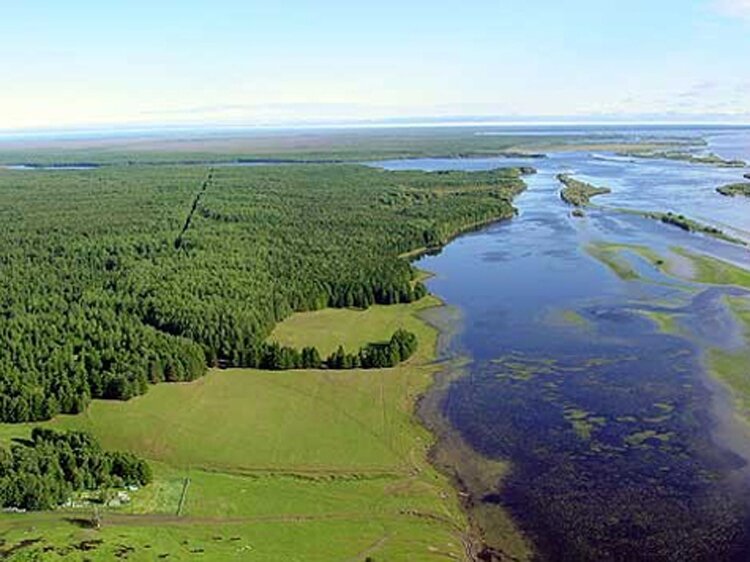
(622,447)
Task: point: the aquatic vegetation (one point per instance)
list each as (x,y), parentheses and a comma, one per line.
(583,422)
(588,444)
(733,367)
(665,321)
(640,438)
(615,420)
(517,368)
(477,476)
(714,271)
(665,407)
(623,259)
(577,192)
(574,318)
(610,256)
(567,318)
(701,268)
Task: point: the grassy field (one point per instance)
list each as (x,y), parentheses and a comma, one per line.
(328,328)
(296,465)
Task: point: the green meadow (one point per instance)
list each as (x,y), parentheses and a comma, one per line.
(254,465)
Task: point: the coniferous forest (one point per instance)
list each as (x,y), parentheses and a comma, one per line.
(122,276)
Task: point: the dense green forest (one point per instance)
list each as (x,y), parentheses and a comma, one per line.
(400,347)
(118,277)
(45,471)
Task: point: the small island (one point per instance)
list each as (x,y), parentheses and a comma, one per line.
(690,225)
(734,189)
(709,159)
(579,193)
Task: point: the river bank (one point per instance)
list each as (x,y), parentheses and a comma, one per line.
(491,534)
(547,409)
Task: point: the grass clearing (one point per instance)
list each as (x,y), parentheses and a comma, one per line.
(294,465)
(328,328)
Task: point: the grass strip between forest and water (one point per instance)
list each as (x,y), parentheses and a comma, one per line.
(331,464)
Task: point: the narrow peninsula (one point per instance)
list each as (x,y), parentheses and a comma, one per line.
(710,158)
(579,193)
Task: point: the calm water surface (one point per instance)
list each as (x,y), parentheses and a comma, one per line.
(621,445)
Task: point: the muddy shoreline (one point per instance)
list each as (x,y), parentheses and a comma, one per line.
(491,535)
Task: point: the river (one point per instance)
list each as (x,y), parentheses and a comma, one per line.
(621,445)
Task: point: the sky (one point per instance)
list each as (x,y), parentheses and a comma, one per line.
(245,62)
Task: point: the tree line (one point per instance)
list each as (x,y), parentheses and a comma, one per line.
(400,347)
(46,470)
(273,356)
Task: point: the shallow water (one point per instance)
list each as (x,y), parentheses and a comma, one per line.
(620,445)
(58,167)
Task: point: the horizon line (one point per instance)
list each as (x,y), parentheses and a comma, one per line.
(385,123)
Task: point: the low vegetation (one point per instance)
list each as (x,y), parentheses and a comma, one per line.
(274,147)
(706,269)
(611,256)
(577,192)
(734,189)
(687,224)
(709,159)
(731,366)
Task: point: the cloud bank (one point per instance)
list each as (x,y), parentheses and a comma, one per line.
(737,8)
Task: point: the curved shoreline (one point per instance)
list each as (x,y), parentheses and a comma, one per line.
(491,534)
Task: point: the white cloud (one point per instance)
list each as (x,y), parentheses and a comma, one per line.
(739,8)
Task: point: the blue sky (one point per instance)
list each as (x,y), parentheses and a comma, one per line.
(79,63)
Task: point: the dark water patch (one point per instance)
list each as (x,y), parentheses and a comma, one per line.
(496,255)
(611,427)
(612,452)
